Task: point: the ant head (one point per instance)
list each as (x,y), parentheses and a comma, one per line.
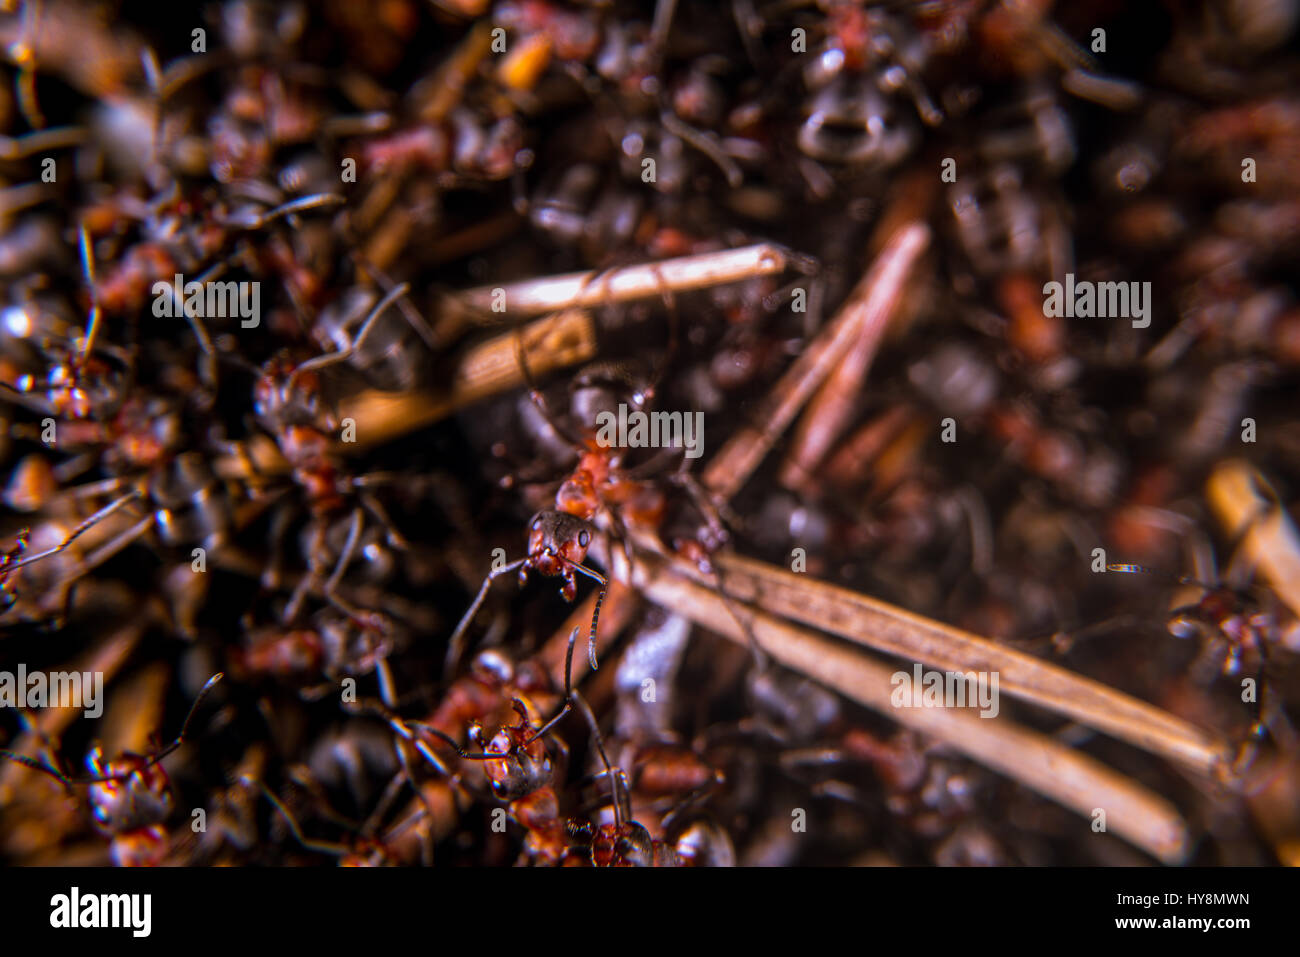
(555,538)
(134,793)
(524,766)
(622,845)
(285,394)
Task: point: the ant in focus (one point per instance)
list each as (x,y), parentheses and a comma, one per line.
(516,762)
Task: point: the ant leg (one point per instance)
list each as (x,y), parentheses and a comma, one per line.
(387,686)
(88,268)
(311,575)
(667,822)
(706,143)
(345,557)
(413,316)
(347,351)
(700,499)
(24,58)
(81,529)
(272,574)
(208,370)
(539,400)
(595,616)
(391,790)
(455,647)
(299,205)
(404,730)
(614,773)
(568,690)
(113,546)
(324,847)
(395,538)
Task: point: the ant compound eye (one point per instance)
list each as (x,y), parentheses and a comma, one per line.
(537,523)
(584,538)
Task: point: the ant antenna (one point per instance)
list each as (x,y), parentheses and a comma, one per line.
(88,268)
(595,617)
(456,646)
(77,532)
(320,362)
(120,775)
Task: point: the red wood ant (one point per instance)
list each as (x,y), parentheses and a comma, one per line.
(77,384)
(130,796)
(1237,633)
(517,765)
(290,401)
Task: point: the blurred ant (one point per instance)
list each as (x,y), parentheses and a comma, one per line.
(77,384)
(185,502)
(291,401)
(130,796)
(336,644)
(624,842)
(8,561)
(1238,633)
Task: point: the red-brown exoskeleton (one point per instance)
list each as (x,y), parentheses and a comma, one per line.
(129,796)
(8,557)
(516,764)
(334,645)
(557,546)
(623,842)
(77,383)
(1238,633)
(292,402)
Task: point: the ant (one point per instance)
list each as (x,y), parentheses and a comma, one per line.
(291,402)
(516,762)
(334,645)
(130,796)
(392,847)
(185,502)
(624,842)
(77,384)
(1237,632)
